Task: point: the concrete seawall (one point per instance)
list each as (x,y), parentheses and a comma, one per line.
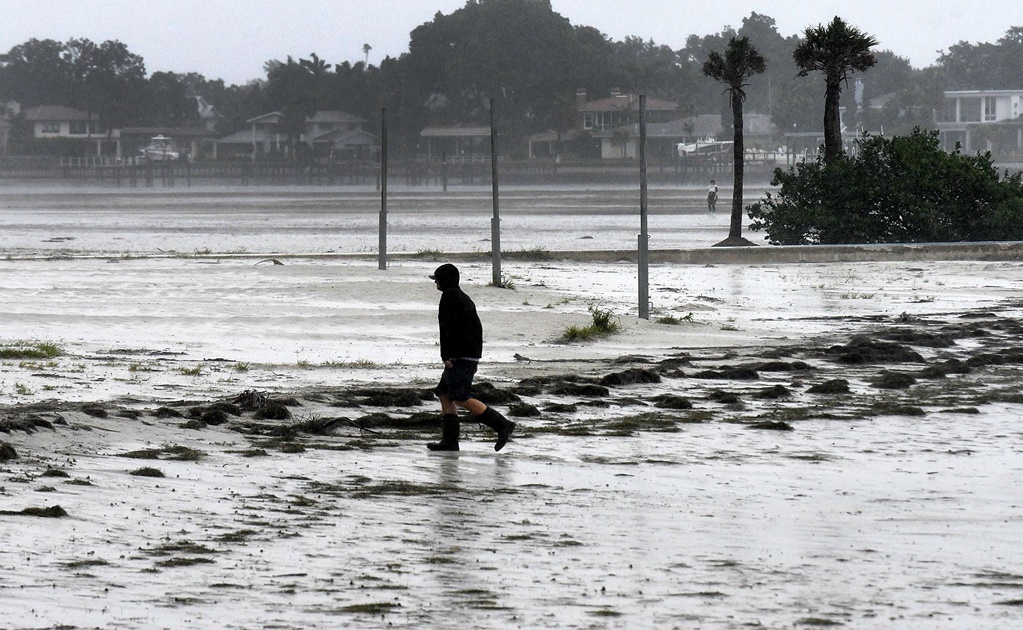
(994,250)
(755,255)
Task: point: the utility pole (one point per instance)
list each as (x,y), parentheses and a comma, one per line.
(495,222)
(382,253)
(644,238)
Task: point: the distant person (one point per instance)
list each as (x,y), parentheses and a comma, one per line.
(712,196)
(461,346)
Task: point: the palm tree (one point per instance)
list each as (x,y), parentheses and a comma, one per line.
(366,48)
(837,50)
(740,62)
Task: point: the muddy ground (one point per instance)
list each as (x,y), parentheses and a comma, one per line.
(868,480)
(194,437)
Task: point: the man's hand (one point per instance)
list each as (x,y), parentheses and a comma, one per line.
(448,363)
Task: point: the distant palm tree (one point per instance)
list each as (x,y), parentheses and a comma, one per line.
(837,50)
(741,61)
(366,48)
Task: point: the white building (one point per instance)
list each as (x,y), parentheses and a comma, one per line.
(982,120)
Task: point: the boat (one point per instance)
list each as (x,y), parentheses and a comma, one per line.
(159,149)
(703,146)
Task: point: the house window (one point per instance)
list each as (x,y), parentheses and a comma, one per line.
(588,120)
(990,111)
(970,109)
(78,128)
(950,110)
(608,120)
(95,127)
(49,127)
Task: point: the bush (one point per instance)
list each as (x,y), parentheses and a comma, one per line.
(605,322)
(904,189)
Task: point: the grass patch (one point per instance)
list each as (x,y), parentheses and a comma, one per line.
(817,622)
(372,608)
(532,254)
(430,254)
(253,452)
(183,562)
(504,283)
(671,320)
(579,333)
(174,452)
(241,535)
(628,425)
(364,364)
(37,350)
(575,429)
(147,471)
(194,371)
(604,322)
(84,564)
(397,488)
(182,547)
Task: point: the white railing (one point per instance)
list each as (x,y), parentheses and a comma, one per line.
(86,162)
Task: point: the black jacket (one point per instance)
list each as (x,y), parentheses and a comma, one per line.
(461,332)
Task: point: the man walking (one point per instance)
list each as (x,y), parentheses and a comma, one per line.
(461,346)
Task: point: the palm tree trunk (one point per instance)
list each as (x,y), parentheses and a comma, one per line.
(832,121)
(738,163)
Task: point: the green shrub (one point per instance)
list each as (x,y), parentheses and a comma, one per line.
(604,320)
(903,189)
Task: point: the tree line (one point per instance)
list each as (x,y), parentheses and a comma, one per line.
(521,53)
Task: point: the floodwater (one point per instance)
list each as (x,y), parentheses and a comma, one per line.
(300,220)
(874,509)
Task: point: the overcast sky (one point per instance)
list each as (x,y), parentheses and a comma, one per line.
(231,39)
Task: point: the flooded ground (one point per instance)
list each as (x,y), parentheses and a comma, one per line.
(323,220)
(805,445)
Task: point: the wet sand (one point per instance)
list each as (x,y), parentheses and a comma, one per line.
(763,502)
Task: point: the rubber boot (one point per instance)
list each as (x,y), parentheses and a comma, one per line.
(449,434)
(499,423)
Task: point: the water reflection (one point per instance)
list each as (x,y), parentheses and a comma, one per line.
(469,521)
